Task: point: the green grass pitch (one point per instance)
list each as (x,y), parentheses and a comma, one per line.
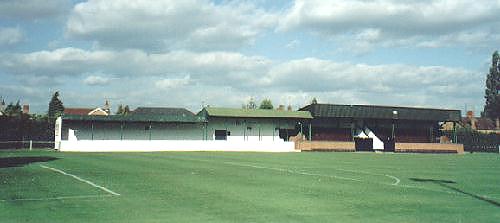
(48,186)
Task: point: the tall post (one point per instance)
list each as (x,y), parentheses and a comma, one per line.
(121,130)
(392,132)
(455,132)
(259,133)
(244,130)
(301,130)
(92,130)
(149,131)
(352,129)
(310,131)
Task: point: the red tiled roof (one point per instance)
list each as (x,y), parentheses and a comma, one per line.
(77,111)
(481,123)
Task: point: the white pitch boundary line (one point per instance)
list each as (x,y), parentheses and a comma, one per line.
(395,178)
(82,180)
(291,171)
(396,184)
(58,198)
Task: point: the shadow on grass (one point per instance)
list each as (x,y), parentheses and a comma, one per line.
(448,184)
(8,162)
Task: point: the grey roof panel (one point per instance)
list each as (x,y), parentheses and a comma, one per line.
(381,112)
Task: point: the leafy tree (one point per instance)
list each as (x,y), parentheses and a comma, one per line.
(492,106)
(314,101)
(251,104)
(13,110)
(123,110)
(56,107)
(266,104)
(2,105)
(119,111)
(126,110)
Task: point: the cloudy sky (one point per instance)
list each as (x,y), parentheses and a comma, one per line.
(430,53)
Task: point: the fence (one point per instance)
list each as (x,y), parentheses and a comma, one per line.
(30,144)
(18,131)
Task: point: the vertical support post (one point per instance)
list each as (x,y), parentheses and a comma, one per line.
(274,130)
(455,132)
(244,130)
(310,131)
(301,130)
(352,130)
(31,145)
(149,131)
(259,133)
(392,131)
(92,130)
(121,130)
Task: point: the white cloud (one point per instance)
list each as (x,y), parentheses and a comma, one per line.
(33,9)
(10,36)
(94,80)
(293,44)
(170,83)
(226,79)
(394,22)
(166,25)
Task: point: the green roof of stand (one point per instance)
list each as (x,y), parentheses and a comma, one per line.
(255,113)
(381,112)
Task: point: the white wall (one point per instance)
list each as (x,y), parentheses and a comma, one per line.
(173,145)
(132,131)
(261,129)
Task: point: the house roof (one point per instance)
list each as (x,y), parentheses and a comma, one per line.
(480,123)
(381,112)
(254,113)
(161,111)
(77,111)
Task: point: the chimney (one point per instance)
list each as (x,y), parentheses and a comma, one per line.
(26,109)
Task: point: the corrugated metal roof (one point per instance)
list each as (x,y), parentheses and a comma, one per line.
(381,112)
(137,118)
(255,113)
(161,111)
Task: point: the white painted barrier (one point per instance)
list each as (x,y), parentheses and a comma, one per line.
(174,145)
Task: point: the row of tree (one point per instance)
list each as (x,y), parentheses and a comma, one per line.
(268,104)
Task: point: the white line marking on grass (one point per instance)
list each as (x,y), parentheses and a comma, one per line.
(395,178)
(82,180)
(395,184)
(58,198)
(292,171)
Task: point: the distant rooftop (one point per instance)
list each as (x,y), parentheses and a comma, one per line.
(77,111)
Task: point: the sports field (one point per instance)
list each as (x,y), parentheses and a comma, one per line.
(47,186)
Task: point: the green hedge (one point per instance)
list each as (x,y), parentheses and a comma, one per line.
(475,141)
(25,128)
